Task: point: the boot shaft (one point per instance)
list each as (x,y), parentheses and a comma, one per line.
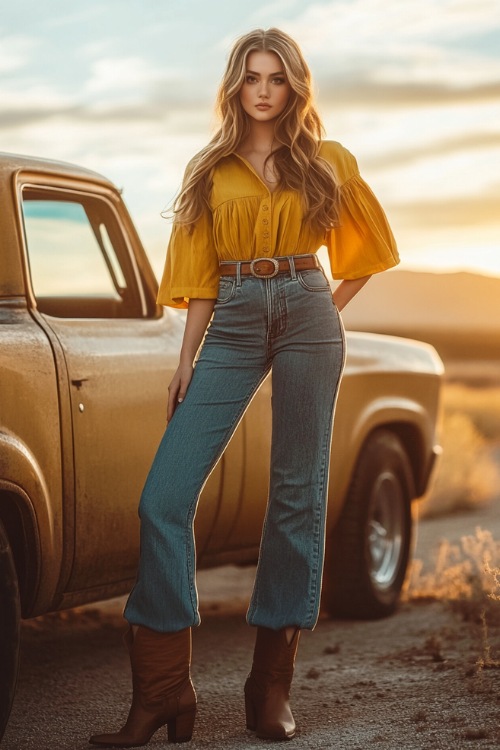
(161,662)
(274,657)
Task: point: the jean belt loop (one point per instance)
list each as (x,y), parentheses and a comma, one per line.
(293,273)
(238,274)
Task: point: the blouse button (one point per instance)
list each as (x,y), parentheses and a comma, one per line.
(265,235)
(265,249)
(265,221)
(265,208)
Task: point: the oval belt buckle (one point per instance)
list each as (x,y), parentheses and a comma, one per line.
(260,275)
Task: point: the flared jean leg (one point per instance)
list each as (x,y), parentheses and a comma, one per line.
(306,375)
(164,597)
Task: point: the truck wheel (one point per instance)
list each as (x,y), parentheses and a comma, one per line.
(367,552)
(10,616)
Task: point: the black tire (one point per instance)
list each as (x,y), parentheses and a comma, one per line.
(367,553)
(10,618)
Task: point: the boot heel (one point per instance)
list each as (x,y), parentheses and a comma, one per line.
(180,729)
(250,713)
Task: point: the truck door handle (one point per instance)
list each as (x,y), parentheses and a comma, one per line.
(78,382)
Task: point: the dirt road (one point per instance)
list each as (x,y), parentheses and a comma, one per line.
(406,682)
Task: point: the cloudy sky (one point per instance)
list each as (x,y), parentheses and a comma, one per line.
(411,87)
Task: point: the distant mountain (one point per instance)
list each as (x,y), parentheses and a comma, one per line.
(459,313)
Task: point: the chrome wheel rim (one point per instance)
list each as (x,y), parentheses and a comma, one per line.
(386,523)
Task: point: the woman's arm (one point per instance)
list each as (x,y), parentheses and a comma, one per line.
(198,316)
(347,289)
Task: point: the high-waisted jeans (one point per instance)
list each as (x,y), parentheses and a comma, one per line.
(290,323)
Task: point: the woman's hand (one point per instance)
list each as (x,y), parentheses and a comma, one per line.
(347,289)
(198,317)
(178,388)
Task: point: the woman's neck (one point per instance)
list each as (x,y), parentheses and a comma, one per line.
(260,139)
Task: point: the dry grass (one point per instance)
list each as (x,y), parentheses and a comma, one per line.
(467,577)
(465,572)
(469,474)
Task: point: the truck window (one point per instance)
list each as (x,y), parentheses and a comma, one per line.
(78,260)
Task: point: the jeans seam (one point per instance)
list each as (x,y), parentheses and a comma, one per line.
(325,463)
(320,510)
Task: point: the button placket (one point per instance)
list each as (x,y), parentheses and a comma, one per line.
(265,224)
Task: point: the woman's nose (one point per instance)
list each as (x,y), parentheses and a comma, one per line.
(264,90)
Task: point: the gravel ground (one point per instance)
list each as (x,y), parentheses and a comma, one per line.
(410,681)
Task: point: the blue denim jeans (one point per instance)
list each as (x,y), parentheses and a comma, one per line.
(288,323)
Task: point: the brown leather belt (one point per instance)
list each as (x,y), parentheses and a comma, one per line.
(267,268)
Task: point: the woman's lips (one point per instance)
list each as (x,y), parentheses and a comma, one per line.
(263,106)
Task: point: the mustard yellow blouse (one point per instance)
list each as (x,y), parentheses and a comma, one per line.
(245,221)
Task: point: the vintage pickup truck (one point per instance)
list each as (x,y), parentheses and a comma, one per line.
(85,359)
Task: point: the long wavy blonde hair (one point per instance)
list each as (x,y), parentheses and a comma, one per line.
(298,133)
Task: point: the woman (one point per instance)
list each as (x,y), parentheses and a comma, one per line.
(256,204)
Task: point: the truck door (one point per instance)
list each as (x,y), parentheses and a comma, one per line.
(116,355)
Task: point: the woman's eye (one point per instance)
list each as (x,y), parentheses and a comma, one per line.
(251,79)
(278,81)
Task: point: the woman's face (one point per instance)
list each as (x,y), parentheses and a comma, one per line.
(265,91)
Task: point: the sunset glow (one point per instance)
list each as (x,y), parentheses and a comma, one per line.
(412,89)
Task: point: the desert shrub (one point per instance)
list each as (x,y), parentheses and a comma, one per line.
(467,575)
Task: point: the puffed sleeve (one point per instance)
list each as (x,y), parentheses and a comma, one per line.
(363,243)
(192,266)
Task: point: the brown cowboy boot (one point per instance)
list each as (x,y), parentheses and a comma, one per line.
(162,689)
(267,689)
